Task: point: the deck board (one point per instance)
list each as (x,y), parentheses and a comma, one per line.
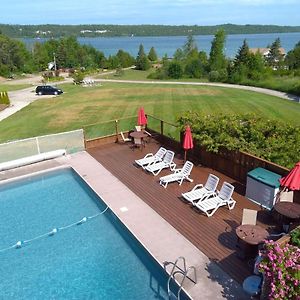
(214,236)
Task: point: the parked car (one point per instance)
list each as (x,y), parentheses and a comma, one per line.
(47,90)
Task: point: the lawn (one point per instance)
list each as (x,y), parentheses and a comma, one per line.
(80,106)
(13,87)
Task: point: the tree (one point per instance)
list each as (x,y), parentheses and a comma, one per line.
(14,57)
(217,60)
(142,62)
(112,62)
(178,55)
(275,57)
(292,58)
(243,54)
(189,45)
(125,59)
(152,56)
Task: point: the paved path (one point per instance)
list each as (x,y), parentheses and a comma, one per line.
(21,98)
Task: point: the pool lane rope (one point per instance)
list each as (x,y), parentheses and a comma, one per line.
(20,244)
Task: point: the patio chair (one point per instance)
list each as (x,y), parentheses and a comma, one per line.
(124,138)
(179,175)
(249,216)
(199,191)
(167,162)
(211,203)
(151,158)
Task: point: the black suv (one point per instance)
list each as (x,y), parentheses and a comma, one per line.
(47,90)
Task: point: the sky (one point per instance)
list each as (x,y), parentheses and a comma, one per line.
(164,12)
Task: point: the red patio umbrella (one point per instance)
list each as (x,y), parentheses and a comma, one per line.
(292,180)
(188,140)
(142,120)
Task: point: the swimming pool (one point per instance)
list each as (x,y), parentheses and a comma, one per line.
(96,259)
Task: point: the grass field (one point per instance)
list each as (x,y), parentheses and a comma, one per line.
(80,106)
(13,87)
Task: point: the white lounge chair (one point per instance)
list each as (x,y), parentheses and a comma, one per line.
(199,191)
(210,204)
(151,158)
(124,138)
(167,162)
(179,175)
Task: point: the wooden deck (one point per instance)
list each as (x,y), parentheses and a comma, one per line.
(214,236)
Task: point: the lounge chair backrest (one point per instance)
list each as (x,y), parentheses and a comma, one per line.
(212,182)
(124,138)
(160,153)
(226,191)
(169,156)
(187,168)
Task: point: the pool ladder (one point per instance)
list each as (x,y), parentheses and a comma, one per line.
(183,272)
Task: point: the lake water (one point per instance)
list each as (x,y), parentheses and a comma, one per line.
(168,44)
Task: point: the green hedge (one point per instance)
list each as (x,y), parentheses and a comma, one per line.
(269,139)
(4,99)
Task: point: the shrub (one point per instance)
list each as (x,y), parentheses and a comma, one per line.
(269,139)
(175,70)
(213,76)
(4,99)
(78,77)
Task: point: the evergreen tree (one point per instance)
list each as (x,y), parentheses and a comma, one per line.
(189,45)
(274,57)
(292,59)
(178,55)
(142,62)
(217,60)
(243,54)
(152,56)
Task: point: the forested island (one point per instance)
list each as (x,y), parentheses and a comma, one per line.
(55,31)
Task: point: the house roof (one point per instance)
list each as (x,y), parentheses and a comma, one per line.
(265,51)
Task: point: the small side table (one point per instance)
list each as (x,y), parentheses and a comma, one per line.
(249,237)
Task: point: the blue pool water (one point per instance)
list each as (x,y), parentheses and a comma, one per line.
(98,259)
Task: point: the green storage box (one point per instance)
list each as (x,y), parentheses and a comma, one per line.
(262,187)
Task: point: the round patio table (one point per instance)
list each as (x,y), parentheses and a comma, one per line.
(138,134)
(287,214)
(251,234)
(289,210)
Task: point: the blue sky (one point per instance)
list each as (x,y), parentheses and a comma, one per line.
(173,12)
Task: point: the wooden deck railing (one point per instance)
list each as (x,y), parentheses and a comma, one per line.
(235,164)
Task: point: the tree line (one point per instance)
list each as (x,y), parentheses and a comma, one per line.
(247,67)
(64,53)
(93,30)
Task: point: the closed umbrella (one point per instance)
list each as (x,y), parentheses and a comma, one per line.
(292,180)
(142,120)
(188,140)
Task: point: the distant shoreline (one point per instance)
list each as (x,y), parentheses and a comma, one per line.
(104,30)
